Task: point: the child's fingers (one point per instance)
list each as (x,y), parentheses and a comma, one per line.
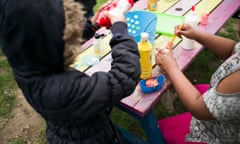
(162,50)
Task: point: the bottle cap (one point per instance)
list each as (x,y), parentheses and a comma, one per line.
(144,36)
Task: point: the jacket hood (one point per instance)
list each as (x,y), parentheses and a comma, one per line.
(32,36)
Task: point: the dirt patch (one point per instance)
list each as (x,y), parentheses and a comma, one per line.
(24,123)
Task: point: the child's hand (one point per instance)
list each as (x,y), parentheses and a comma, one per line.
(115,16)
(185,30)
(169,46)
(100,9)
(165,59)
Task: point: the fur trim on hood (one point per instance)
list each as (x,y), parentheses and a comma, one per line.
(74,22)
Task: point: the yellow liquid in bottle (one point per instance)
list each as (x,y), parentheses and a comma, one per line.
(145,50)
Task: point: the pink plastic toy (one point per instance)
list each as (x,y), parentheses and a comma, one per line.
(204,18)
(175,128)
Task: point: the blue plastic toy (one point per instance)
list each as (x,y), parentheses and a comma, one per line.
(147,89)
(139,21)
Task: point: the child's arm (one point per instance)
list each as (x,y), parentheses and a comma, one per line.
(221,46)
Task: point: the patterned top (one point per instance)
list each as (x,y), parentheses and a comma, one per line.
(225,108)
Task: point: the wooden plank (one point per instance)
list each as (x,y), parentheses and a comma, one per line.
(103,66)
(140,5)
(185,5)
(81,64)
(220,15)
(206,6)
(164,5)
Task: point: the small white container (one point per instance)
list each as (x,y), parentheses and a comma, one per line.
(192,20)
(97,44)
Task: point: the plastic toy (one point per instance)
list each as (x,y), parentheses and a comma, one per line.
(150,85)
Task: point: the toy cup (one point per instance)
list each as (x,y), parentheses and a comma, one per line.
(204,18)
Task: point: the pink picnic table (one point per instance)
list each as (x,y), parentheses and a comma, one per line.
(138,104)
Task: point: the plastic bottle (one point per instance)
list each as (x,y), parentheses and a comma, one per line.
(152,5)
(119,6)
(97,44)
(192,20)
(91,59)
(145,50)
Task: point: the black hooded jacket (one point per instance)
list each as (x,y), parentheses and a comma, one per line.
(72,103)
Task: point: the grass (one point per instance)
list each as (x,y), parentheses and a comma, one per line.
(199,71)
(99,3)
(7,93)
(18,141)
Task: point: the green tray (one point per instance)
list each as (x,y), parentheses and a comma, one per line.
(166,23)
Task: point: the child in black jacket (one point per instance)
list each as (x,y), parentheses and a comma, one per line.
(39,39)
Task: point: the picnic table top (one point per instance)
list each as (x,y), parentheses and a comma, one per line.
(138,102)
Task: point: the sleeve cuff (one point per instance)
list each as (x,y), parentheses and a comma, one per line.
(119,28)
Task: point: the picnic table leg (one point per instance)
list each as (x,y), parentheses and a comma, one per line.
(151,129)
(129,137)
(149,125)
